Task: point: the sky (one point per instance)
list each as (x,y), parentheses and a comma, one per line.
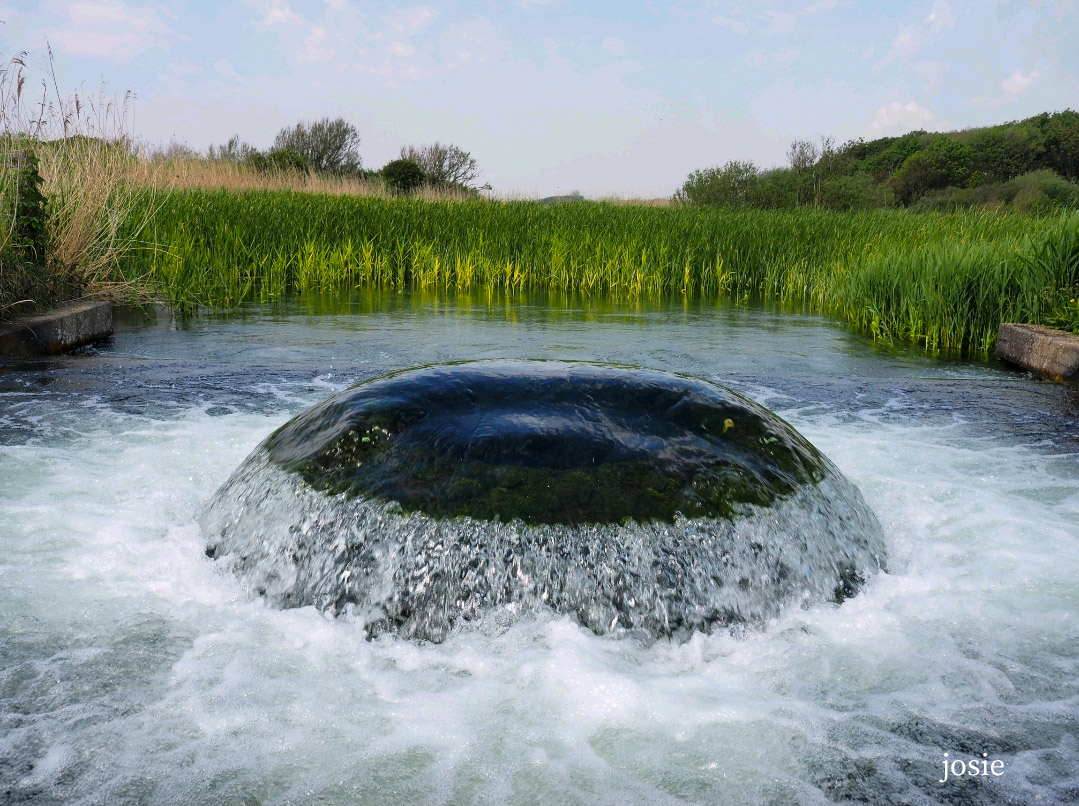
(552,96)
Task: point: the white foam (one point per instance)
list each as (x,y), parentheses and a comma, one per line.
(134,665)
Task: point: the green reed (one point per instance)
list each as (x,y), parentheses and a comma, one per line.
(943,280)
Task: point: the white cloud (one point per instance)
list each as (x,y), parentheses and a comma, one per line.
(913,38)
(225,68)
(1013,86)
(782,22)
(184,68)
(786,22)
(778,22)
(110,30)
(614,46)
(906,41)
(99,45)
(403,48)
(898,118)
(475,40)
(940,17)
(759,60)
(931,73)
(315,46)
(116,13)
(1018,81)
(820,5)
(274,12)
(731,24)
(395,47)
(411,21)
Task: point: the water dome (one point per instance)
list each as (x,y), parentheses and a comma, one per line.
(633,500)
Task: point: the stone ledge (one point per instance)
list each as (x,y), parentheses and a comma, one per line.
(1051,353)
(66,328)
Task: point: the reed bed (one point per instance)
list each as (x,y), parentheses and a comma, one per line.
(944,281)
(186,172)
(199,173)
(82,169)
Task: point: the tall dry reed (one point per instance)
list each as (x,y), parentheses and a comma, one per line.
(87,171)
(192,172)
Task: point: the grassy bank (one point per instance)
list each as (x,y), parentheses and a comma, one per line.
(941,280)
(68,207)
(68,191)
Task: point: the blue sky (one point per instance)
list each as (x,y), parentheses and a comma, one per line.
(552,96)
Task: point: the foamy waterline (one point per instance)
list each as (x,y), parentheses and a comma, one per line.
(134,670)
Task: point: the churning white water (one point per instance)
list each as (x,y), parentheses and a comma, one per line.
(135,670)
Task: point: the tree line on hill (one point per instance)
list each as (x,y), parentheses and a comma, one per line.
(331,146)
(1030,165)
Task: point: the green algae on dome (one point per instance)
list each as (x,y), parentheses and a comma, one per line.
(548,443)
(629,500)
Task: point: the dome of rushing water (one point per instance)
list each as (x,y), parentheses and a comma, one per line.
(630,499)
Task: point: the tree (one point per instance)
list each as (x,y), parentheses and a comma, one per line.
(277,161)
(443,164)
(854,192)
(943,163)
(777,189)
(403,175)
(329,146)
(802,154)
(884,156)
(1001,153)
(727,186)
(1062,143)
(809,164)
(235,150)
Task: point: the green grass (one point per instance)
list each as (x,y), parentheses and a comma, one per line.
(942,280)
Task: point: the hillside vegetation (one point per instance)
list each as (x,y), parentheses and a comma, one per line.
(1029,165)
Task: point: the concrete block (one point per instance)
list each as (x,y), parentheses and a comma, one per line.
(66,328)
(1051,353)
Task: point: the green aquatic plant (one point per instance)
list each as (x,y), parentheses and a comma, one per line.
(941,280)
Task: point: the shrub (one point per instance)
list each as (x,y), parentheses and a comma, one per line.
(24,207)
(1062,143)
(727,186)
(1041,191)
(403,175)
(24,236)
(328,146)
(443,164)
(1001,153)
(235,150)
(1044,190)
(278,160)
(944,162)
(855,192)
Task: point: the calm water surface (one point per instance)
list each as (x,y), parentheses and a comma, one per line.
(133,670)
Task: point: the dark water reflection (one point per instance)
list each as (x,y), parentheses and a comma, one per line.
(265,357)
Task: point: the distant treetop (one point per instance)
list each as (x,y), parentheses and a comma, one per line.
(328,146)
(443,164)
